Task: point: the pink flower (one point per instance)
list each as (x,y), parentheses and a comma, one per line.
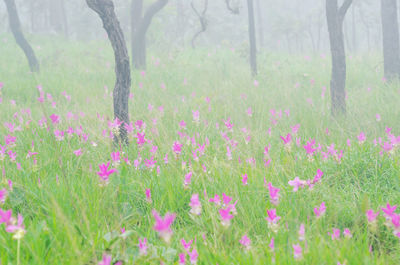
(163,225)
(335,233)
(371,216)
(17,229)
(6,217)
(309,147)
(297,183)
(246,242)
(320,211)
(186,245)
(55,119)
(142,246)
(273,194)
(347,233)
(196,116)
(148,196)
(272,217)
(287,140)
(182,258)
(361,138)
(116,158)
(297,251)
(302,232)
(105,173)
(106,260)
(244,179)
(188,179)
(318,176)
(215,200)
(78,152)
(388,211)
(177,148)
(271,244)
(193,256)
(195,204)
(226,216)
(3,195)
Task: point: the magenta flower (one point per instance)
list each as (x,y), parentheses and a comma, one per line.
(347,233)
(3,195)
(296,183)
(6,217)
(287,140)
(302,233)
(271,245)
(225,216)
(186,245)
(388,211)
(116,158)
(371,216)
(188,179)
(182,258)
(193,256)
(17,229)
(148,196)
(106,260)
(55,119)
(105,173)
(78,152)
(195,204)
(272,217)
(318,176)
(177,147)
(245,242)
(361,138)
(244,179)
(335,233)
(297,251)
(215,200)
(163,225)
(142,246)
(273,194)
(320,211)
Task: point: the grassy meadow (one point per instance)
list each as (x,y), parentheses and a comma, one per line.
(52,143)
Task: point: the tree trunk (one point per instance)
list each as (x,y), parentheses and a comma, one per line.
(390,34)
(139,27)
(105,9)
(15,26)
(335,17)
(252,38)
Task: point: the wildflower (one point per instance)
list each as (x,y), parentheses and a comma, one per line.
(215,200)
(188,179)
(3,195)
(271,244)
(287,141)
(142,246)
(335,233)
(148,196)
(347,233)
(182,258)
(361,138)
(105,173)
(246,242)
(193,256)
(244,179)
(273,194)
(296,183)
(186,245)
(195,204)
(388,211)
(320,211)
(163,225)
(371,216)
(225,216)
(177,148)
(106,260)
(297,252)
(17,229)
(273,220)
(302,232)
(78,152)
(55,119)
(116,158)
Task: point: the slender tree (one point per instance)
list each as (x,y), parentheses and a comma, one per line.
(15,26)
(390,34)
(139,25)
(252,37)
(335,17)
(105,9)
(203,21)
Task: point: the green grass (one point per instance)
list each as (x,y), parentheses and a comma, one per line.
(74,220)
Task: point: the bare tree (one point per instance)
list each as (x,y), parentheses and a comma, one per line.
(252,38)
(390,34)
(335,17)
(105,9)
(15,26)
(139,25)
(203,20)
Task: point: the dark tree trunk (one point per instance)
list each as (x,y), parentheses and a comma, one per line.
(390,34)
(105,9)
(252,38)
(202,19)
(15,26)
(335,17)
(140,25)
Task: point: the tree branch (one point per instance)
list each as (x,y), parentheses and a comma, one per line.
(234,10)
(343,9)
(148,16)
(202,19)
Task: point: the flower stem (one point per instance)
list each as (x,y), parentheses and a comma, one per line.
(18,247)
